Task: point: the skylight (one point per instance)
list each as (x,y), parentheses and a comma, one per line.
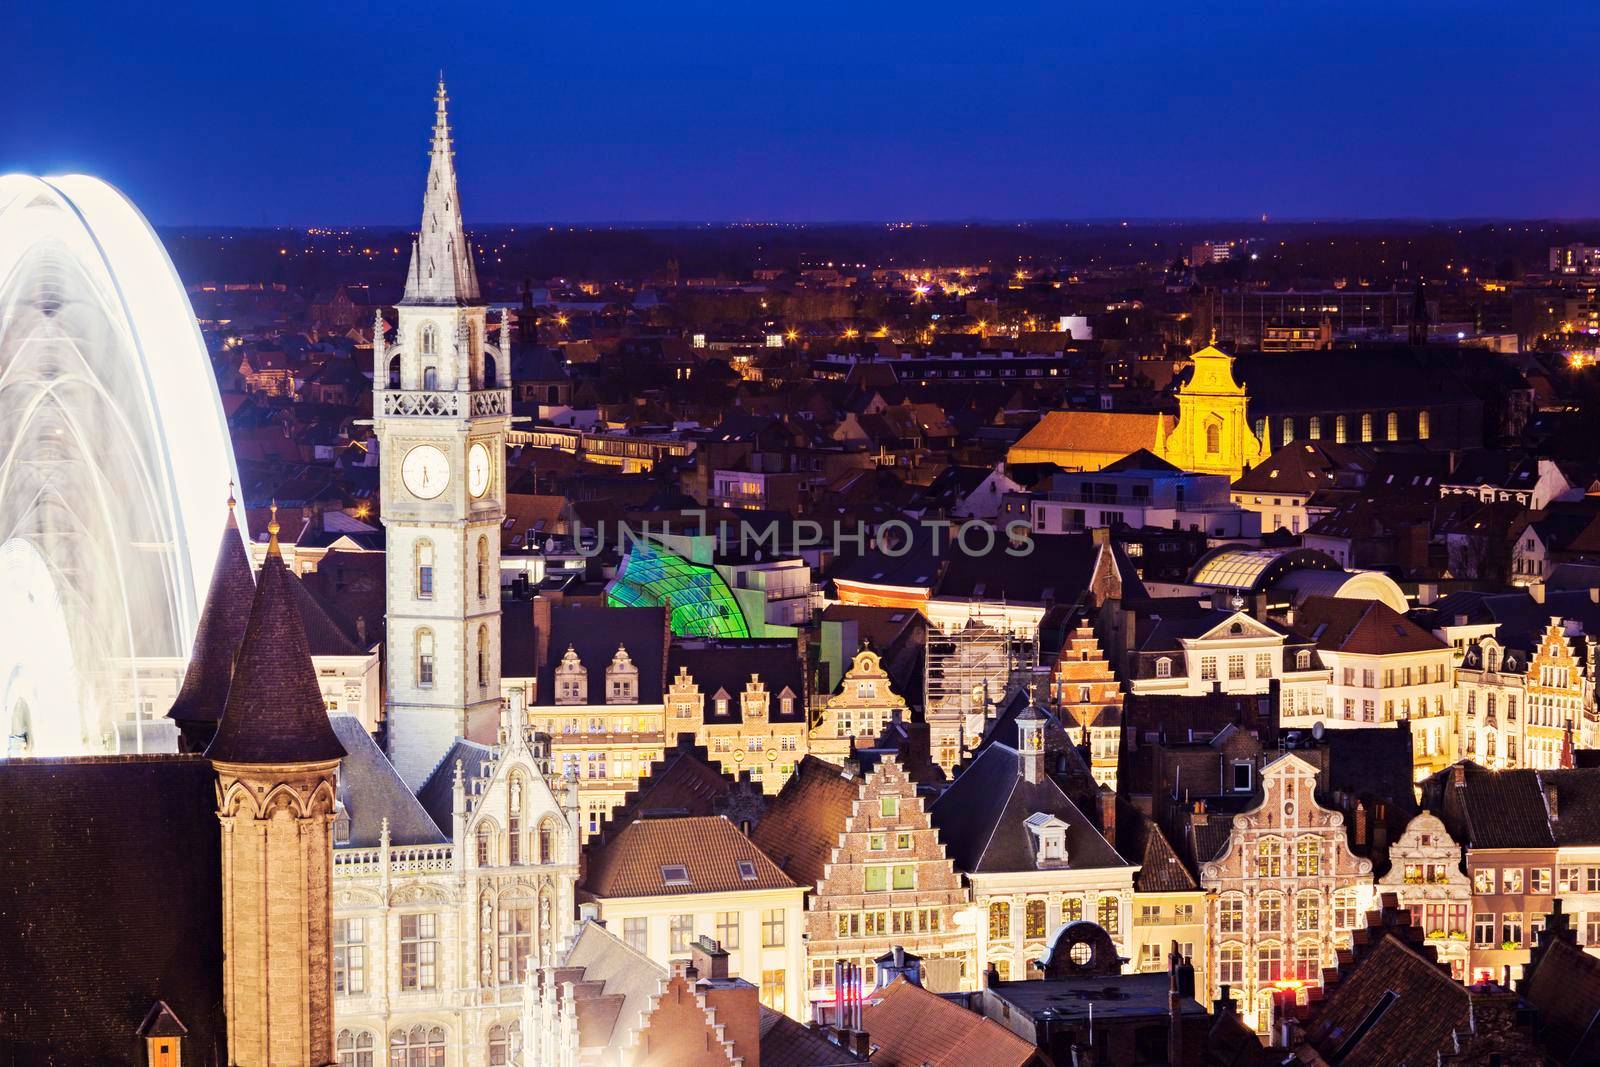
(747,870)
(674,874)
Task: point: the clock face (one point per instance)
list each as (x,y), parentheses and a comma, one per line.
(426,472)
(478,470)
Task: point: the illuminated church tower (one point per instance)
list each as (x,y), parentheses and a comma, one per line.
(276,755)
(441,410)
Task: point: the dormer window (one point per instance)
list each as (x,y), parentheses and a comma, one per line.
(786,702)
(572,681)
(622,679)
(1049,839)
(1163,667)
(721,702)
(1242,779)
(1302,660)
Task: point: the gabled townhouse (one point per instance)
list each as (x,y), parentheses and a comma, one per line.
(746,701)
(878,873)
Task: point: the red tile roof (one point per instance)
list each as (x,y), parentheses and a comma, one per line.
(912,1027)
(1362,627)
(709,848)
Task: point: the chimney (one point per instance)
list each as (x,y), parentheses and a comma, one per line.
(1361,823)
(738,1009)
(709,957)
(1551,801)
(1458,776)
(1176,995)
(1224,1004)
(1537,592)
(1108,815)
(1380,829)
(541,632)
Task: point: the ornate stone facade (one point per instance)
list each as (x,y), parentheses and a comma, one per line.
(1426,878)
(433,942)
(858,710)
(1284,892)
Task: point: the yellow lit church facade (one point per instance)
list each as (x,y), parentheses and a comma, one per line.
(1210,435)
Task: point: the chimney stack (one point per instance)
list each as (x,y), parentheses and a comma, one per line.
(1108,815)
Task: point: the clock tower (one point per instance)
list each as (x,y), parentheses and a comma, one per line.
(441,409)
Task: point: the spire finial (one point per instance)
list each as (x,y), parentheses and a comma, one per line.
(1213,335)
(272,529)
(232,502)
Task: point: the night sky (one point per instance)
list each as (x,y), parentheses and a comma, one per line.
(318,114)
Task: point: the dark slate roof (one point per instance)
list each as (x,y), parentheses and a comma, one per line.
(684,781)
(110,900)
(324,636)
(594,633)
(1565,987)
(786,1043)
(371,791)
(1413,1029)
(1057,569)
(221,628)
(982,817)
(1490,809)
(726,666)
(275,711)
(437,795)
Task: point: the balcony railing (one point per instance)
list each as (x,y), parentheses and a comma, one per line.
(415,859)
(446,403)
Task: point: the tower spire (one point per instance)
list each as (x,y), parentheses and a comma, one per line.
(442,272)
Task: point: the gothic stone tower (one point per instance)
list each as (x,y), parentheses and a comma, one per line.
(441,411)
(275,755)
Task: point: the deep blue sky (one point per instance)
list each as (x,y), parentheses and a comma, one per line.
(318,114)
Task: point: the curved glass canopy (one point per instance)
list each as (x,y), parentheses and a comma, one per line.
(702,603)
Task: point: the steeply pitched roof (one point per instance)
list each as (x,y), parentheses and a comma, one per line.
(709,848)
(595,633)
(110,900)
(275,712)
(437,795)
(982,819)
(441,271)
(221,628)
(802,823)
(371,791)
(1395,1007)
(915,1028)
(1565,986)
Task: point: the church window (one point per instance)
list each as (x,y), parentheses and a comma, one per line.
(1391,426)
(483,655)
(1366,426)
(1000,921)
(1314,428)
(483,568)
(424,554)
(419,951)
(350,960)
(421,1046)
(515,938)
(547,841)
(1213,438)
(1261,431)
(499,1046)
(514,839)
(490,376)
(430,377)
(425,659)
(355,1049)
(1340,434)
(1422,425)
(1288,430)
(430,341)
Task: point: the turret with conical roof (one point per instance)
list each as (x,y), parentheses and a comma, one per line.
(275,713)
(441,271)
(276,755)
(216,642)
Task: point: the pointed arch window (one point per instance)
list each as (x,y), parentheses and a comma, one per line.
(421,1046)
(355,1049)
(515,938)
(424,564)
(429,344)
(424,646)
(486,849)
(547,841)
(1288,430)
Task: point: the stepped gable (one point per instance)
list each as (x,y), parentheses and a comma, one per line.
(686,781)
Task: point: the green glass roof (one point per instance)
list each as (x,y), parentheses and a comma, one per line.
(702,603)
